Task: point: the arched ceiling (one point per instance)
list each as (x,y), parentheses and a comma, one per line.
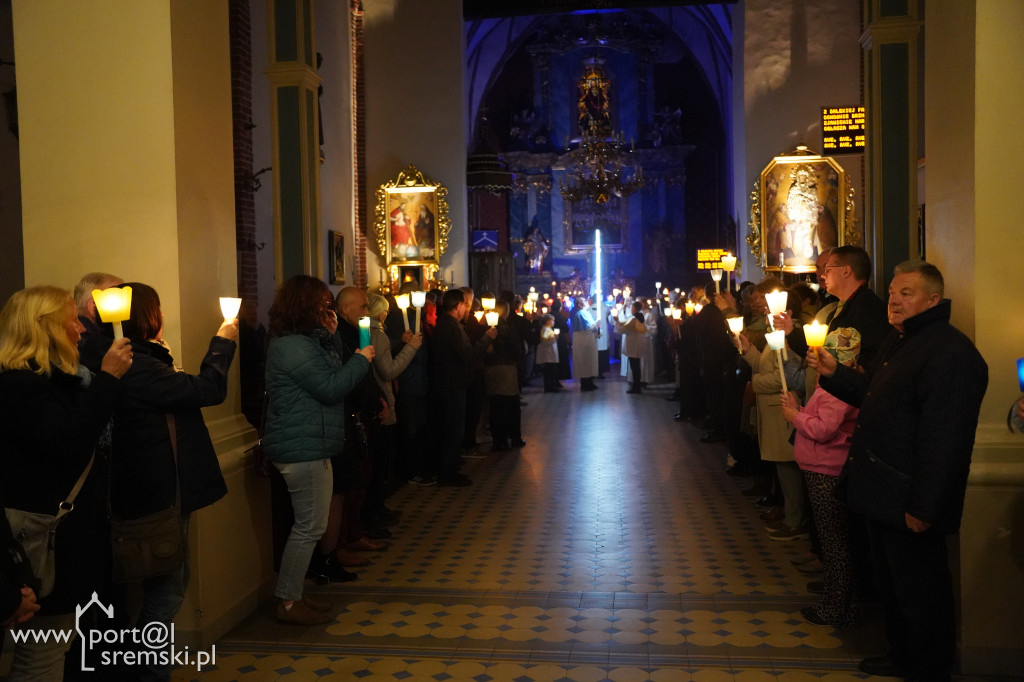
(704,30)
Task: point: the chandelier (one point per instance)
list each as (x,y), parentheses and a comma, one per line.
(596,168)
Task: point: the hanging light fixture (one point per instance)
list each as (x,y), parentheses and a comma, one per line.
(596,168)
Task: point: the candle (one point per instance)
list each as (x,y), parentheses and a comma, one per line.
(777,341)
(419,299)
(544,310)
(557,331)
(735,326)
(229,308)
(815,333)
(114,305)
(728,264)
(479,315)
(487,303)
(716,274)
(492,318)
(777,301)
(364,332)
(690,307)
(657,285)
(402,300)
(677,314)
(697,308)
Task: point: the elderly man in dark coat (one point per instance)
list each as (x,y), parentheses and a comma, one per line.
(908,465)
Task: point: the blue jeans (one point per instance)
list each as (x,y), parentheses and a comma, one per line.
(310,485)
(162,597)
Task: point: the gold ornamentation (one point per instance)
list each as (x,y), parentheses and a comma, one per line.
(411,220)
(801,205)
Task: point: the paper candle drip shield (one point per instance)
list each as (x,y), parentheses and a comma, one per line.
(364,332)
(815,333)
(777,301)
(492,318)
(229,307)
(776,339)
(114,305)
(735,324)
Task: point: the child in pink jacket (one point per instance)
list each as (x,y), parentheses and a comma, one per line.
(824,427)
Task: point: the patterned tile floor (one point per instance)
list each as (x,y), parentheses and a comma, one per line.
(611,547)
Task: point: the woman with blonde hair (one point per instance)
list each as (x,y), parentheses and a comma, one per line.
(52,412)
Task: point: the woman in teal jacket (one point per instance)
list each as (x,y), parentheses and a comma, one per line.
(306,386)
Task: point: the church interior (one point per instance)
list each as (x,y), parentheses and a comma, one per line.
(560,146)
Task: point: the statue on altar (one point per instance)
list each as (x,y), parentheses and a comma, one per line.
(535,248)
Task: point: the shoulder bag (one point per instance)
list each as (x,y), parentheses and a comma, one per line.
(36,533)
(153,544)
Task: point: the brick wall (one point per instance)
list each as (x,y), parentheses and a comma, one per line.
(359,277)
(241,119)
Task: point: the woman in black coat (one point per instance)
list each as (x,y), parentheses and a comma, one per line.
(146,473)
(52,412)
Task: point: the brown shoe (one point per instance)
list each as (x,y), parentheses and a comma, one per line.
(318,606)
(365,544)
(344,558)
(300,614)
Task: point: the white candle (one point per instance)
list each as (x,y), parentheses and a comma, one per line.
(229,308)
(492,318)
(716,274)
(419,299)
(403,304)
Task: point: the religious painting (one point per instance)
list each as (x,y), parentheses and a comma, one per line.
(336,249)
(592,103)
(802,205)
(411,222)
(581,219)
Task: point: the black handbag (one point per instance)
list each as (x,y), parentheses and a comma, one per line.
(261,462)
(154,544)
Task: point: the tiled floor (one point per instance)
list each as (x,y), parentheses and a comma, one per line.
(611,547)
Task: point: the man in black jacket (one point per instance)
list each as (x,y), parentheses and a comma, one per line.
(846,277)
(908,465)
(451,362)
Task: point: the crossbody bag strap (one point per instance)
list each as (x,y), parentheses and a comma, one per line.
(69,502)
(173,430)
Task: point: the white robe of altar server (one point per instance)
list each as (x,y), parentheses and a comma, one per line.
(584,345)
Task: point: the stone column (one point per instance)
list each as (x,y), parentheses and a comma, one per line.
(296,142)
(890,45)
(974,90)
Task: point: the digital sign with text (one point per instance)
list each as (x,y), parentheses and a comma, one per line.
(843,130)
(710,259)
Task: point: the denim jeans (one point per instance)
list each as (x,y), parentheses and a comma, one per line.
(162,597)
(310,485)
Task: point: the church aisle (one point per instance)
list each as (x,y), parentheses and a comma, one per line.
(611,547)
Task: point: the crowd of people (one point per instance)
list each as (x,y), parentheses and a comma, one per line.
(861,446)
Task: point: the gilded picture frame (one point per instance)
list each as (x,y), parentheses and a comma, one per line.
(581,218)
(411,219)
(336,249)
(802,204)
